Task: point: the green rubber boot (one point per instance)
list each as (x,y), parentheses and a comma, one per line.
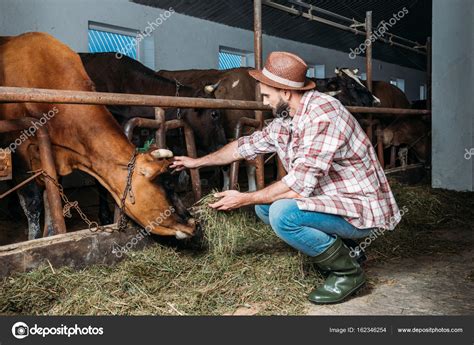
(345,275)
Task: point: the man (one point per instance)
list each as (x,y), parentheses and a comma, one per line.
(335,187)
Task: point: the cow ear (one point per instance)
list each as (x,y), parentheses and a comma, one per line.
(151,171)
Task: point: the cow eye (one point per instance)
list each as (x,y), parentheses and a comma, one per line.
(215,115)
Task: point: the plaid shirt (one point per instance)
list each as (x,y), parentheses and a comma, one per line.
(330,162)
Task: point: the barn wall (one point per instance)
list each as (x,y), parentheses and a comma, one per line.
(453,101)
(181,42)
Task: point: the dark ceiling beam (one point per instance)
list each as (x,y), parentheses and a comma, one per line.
(352,29)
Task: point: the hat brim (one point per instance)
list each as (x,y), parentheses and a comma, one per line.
(259,76)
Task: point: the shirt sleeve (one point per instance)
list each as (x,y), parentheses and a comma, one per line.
(320,141)
(258,142)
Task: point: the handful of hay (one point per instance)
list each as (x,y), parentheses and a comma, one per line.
(229,232)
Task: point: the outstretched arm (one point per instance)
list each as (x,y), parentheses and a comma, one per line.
(245,147)
(223,156)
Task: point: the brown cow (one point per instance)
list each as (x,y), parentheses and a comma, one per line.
(126,75)
(389,95)
(398,131)
(84,137)
(233,83)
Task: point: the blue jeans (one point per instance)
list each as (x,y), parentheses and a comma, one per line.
(309,232)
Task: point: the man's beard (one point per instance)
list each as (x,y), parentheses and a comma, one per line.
(282,110)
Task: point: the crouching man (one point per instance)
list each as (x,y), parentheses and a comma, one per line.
(335,187)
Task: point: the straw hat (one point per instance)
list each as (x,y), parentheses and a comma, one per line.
(284,70)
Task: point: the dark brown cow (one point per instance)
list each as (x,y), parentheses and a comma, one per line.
(233,83)
(398,131)
(126,75)
(389,95)
(236,83)
(84,137)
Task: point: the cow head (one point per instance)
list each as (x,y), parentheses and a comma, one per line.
(153,203)
(208,127)
(354,91)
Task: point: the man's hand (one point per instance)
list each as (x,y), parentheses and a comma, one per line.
(183,162)
(225,155)
(231,199)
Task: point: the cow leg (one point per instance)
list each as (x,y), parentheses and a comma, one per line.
(251,177)
(225,175)
(105,215)
(403,156)
(31,202)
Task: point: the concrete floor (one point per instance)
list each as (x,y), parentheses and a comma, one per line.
(439,284)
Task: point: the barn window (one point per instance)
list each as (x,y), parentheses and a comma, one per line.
(316,71)
(106,38)
(400,83)
(234,58)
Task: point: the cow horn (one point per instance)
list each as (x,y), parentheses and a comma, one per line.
(337,71)
(333,93)
(376,100)
(355,71)
(161,153)
(211,87)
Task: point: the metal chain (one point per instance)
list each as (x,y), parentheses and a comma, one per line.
(179,115)
(92,225)
(122,223)
(178,110)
